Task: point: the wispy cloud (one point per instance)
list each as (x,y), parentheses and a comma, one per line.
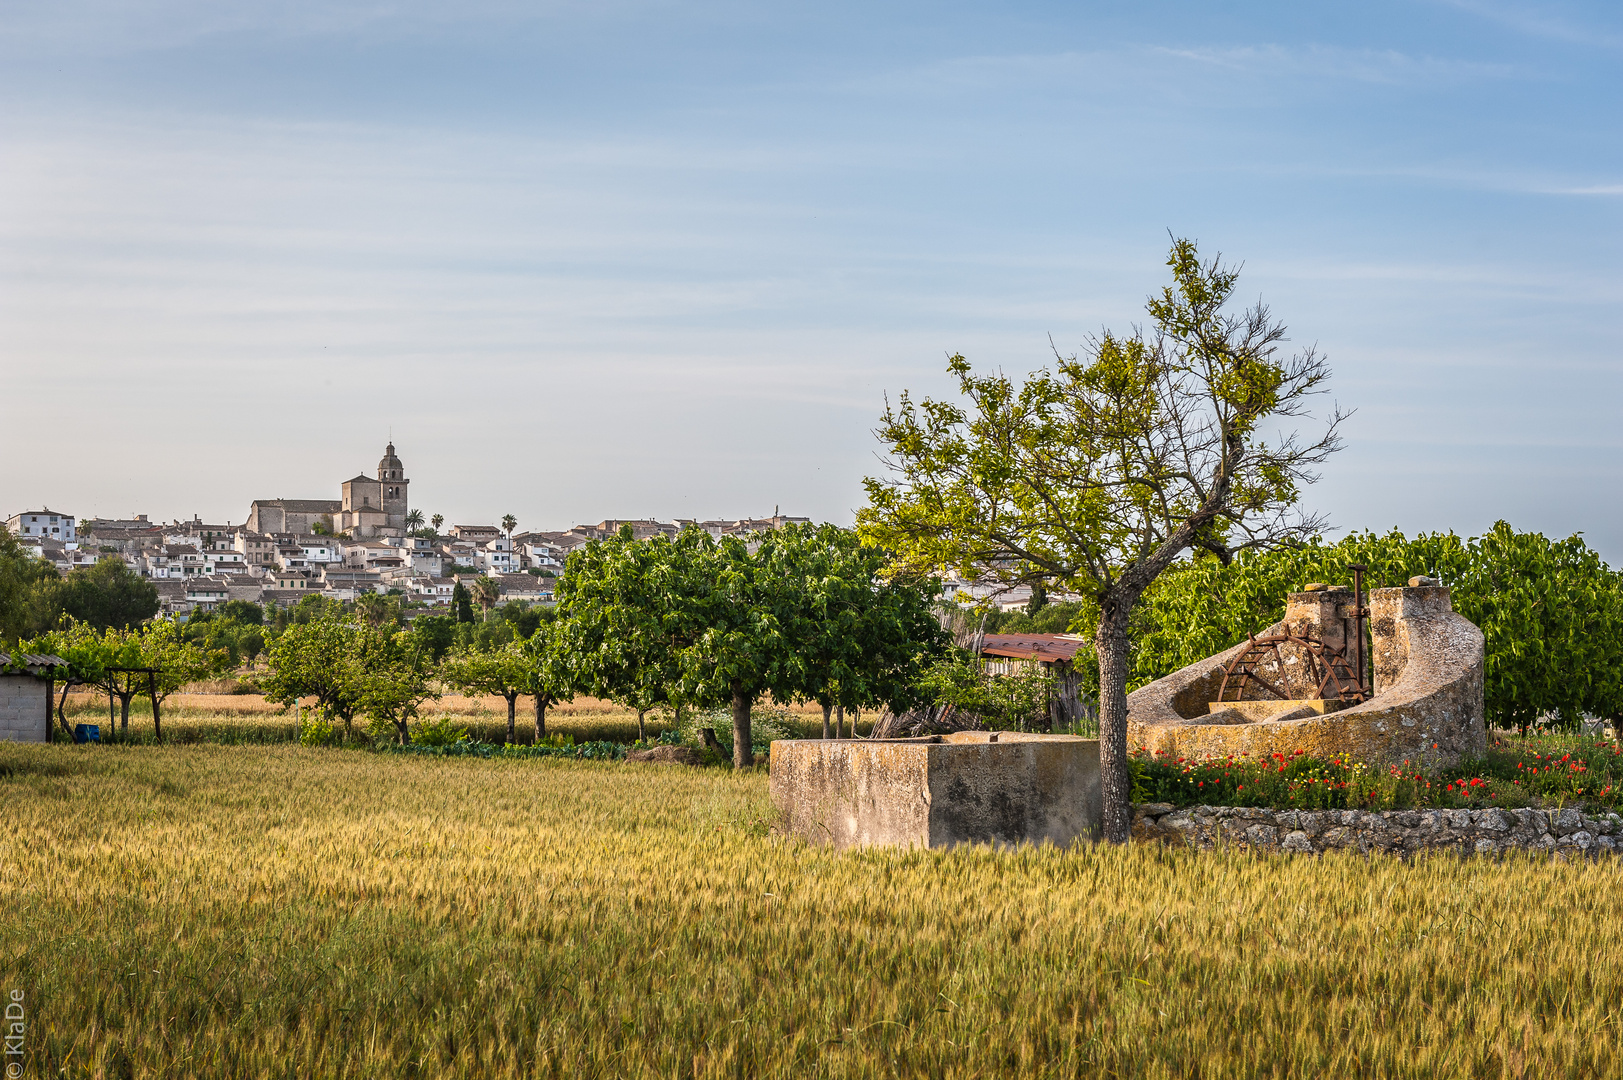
(1540,23)
(1388,67)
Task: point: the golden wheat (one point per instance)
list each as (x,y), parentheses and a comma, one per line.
(278,911)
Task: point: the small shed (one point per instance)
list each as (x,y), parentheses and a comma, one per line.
(25,696)
(1006,654)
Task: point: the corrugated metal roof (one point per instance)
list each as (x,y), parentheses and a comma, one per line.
(34,660)
(1045,647)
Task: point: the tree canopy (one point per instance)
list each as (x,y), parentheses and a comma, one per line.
(1093,477)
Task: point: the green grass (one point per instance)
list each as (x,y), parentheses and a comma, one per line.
(260,911)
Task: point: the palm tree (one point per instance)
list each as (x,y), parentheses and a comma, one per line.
(486,592)
(509,522)
(437,520)
(414,520)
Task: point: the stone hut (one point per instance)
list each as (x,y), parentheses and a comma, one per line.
(25,696)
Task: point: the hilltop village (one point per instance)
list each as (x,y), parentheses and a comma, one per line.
(368,540)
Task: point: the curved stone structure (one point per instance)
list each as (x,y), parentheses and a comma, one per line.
(1426,707)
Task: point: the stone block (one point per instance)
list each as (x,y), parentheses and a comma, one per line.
(972,787)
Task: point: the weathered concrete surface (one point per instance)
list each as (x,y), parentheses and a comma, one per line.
(1566,831)
(971,787)
(1427,705)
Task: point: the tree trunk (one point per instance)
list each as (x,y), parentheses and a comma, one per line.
(61,704)
(826,710)
(512,710)
(402,736)
(743,754)
(1110,644)
(540,718)
(839,722)
(152,691)
(641,734)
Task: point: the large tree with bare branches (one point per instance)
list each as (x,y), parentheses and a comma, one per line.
(1094,476)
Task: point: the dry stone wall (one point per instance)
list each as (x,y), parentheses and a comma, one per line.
(1566,831)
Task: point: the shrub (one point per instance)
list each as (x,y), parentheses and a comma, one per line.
(440,732)
(315,729)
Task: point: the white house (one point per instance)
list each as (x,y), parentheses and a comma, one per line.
(44,523)
(495,557)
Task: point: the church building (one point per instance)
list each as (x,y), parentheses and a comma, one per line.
(366,507)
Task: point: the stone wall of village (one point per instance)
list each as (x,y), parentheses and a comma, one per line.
(1567,831)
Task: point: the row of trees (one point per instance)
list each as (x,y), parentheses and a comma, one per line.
(34,597)
(155,660)
(797,614)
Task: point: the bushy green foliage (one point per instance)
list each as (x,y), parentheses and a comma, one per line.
(315,729)
(442,731)
(1551,611)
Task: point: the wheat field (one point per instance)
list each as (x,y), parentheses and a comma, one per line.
(274,911)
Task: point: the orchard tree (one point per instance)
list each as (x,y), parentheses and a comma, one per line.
(628,608)
(550,677)
(866,639)
(503,670)
(753,620)
(318,659)
(394,675)
(1094,477)
(176,663)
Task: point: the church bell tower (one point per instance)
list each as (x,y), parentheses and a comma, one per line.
(392,476)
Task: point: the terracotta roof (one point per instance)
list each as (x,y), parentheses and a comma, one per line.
(1046,647)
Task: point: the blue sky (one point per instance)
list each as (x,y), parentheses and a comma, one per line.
(625,259)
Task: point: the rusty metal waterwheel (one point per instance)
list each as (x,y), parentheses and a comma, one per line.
(1328,668)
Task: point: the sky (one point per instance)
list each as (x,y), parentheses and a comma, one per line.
(667,259)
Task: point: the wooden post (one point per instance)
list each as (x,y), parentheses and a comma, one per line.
(50,699)
(152,692)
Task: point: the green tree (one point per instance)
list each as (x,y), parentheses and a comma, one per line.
(178,663)
(435,633)
(753,617)
(378,611)
(85,653)
(461,604)
(866,639)
(1095,477)
(414,520)
(509,523)
(22,577)
(436,521)
(629,608)
(505,671)
(550,677)
(109,594)
(318,659)
(393,677)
